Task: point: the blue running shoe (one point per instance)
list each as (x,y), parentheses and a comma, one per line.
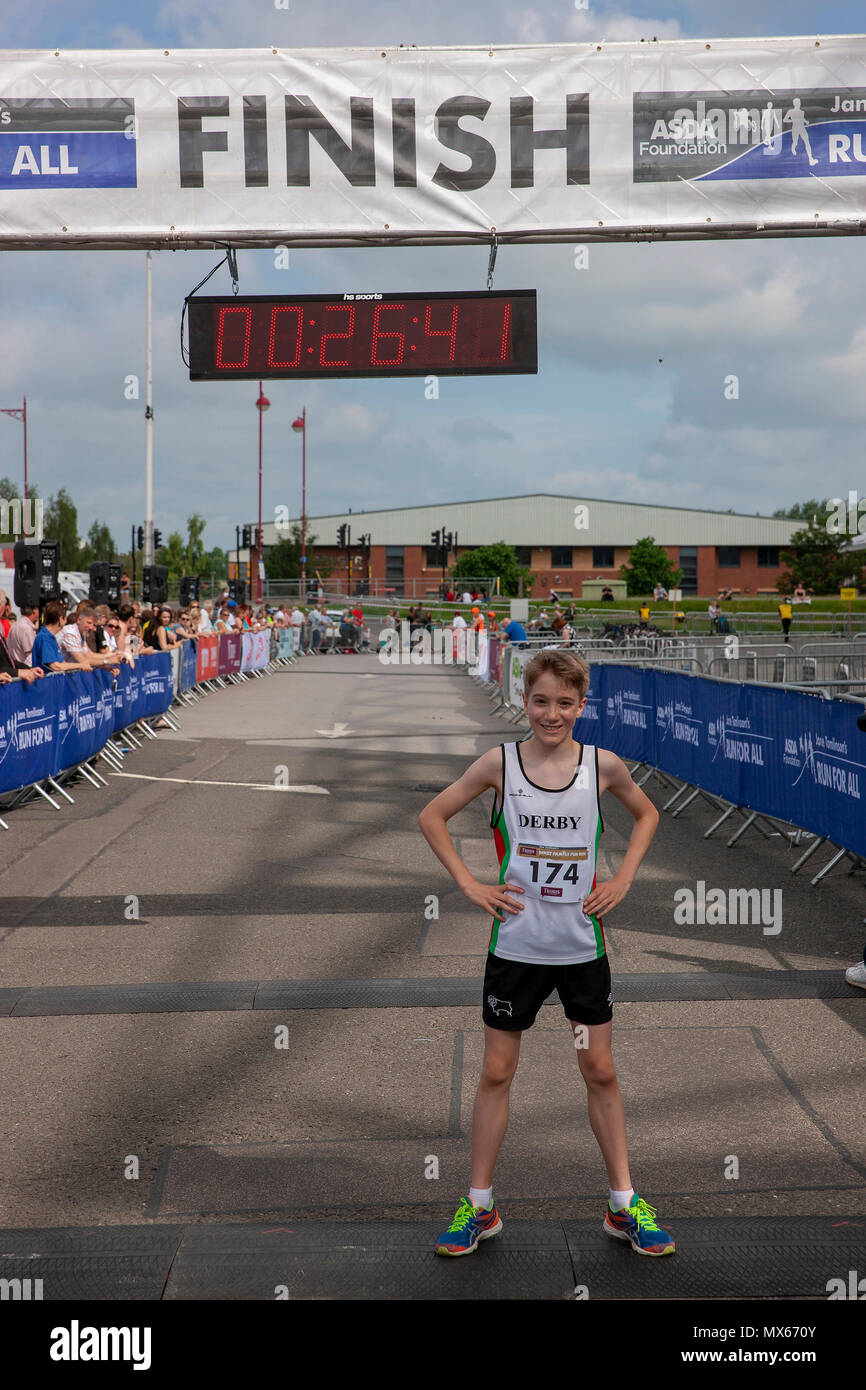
(637,1224)
(470,1225)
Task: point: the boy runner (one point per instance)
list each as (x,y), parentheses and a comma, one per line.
(551,934)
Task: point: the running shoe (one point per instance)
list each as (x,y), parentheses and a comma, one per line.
(637,1224)
(856,975)
(470,1225)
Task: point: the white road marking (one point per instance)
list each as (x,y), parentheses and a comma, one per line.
(338,731)
(201,782)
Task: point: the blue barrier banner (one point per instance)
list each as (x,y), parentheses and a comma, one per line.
(158,683)
(28,731)
(129,700)
(189,662)
(80,732)
(284,641)
(785,753)
(628,705)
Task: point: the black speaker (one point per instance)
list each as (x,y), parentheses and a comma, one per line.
(28,574)
(114,573)
(238,590)
(100,580)
(188,589)
(50,567)
(154,584)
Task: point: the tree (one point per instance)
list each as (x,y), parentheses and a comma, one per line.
(99,545)
(804,511)
(195,551)
(60,523)
(283,560)
(492,561)
(649,565)
(817,561)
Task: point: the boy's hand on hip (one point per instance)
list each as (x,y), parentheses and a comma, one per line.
(604,896)
(494,897)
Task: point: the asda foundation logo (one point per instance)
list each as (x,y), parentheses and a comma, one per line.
(736,740)
(752,134)
(826,761)
(674,719)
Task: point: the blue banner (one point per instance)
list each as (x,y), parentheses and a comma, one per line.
(189,660)
(64,719)
(158,683)
(787,754)
(28,732)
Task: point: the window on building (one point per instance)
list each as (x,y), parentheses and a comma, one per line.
(560,557)
(602,557)
(729,557)
(768,557)
(434,558)
(523,553)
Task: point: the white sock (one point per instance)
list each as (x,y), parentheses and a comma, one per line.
(481,1197)
(621,1199)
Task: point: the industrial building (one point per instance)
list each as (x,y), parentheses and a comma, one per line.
(564,540)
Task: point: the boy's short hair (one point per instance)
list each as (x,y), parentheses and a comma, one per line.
(565,665)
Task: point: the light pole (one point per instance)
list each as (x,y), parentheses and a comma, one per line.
(300,425)
(21,415)
(262,404)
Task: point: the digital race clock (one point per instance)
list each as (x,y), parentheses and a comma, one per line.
(347,335)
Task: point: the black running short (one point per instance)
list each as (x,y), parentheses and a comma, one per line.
(515,990)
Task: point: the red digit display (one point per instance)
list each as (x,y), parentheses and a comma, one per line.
(449,333)
(378,335)
(278,328)
(350,329)
(357,335)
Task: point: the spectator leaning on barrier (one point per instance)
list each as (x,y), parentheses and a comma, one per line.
(10,670)
(5,614)
(84,629)
(515,632)
(22,635)
(46,649)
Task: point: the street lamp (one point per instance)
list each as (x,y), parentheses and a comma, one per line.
(262,404)
(300,426)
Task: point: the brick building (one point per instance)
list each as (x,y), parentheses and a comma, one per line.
(564,540)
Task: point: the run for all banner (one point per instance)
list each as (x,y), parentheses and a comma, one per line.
(585,142)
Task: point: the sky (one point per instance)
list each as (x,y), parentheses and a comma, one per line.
(633,350)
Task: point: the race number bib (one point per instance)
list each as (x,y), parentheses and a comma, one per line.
(551,872)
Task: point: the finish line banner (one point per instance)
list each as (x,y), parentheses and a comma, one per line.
(322,147)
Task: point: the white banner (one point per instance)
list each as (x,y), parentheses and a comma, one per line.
(351,146)
(255,651)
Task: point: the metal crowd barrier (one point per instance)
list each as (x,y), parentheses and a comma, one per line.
(686,793)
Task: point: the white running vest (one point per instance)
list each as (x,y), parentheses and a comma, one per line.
(547,842)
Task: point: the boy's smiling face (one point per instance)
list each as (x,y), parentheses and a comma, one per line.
(551,708)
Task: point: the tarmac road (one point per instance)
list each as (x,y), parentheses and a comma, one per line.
(237,1044)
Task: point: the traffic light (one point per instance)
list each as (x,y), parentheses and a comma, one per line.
(435,539)
(139,537)
(246,537)
(364,543)
(447,541)
(157,540)
(341,536)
